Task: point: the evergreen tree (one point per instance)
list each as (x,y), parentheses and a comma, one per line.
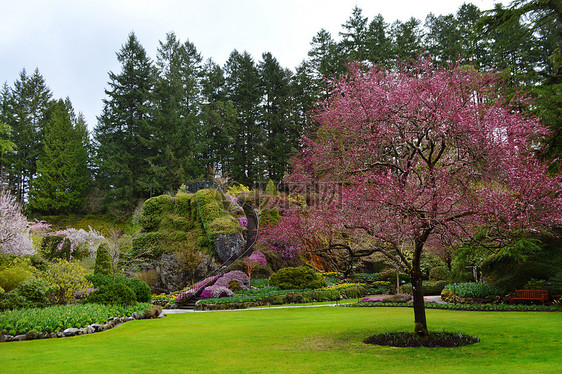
(406,38)
(326,57)
(243,88)
(275,116)
(177,96)
(27,101)
(354,39)
(378,45)
(102,265)
(124,134)
(63,177)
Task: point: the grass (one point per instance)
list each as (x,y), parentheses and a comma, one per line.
(301,340)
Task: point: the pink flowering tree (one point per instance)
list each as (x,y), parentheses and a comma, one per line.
(255,259)
(424,157)
(14,230)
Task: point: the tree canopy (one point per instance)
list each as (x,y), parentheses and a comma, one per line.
(424,157)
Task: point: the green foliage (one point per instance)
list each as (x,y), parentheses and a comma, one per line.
(478,290)
(116,293)
(103,261)
(60,317)
(214,214)
(555,286)
(69,279)
(11,277)
(296,278)
(270,189)
(269,217)
(535,284)
(186,222)
(439,273)
(50,248)
(63,176)
(32,293)
(139,287)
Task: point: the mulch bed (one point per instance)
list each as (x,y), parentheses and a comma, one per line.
(435,339)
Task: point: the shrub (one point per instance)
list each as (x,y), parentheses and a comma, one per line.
(269,217)
(112,294)
(69,279)
(234,276)
(296,278)
(11,277)
(555,286)
(150,277)
(479,290)
(215,292)
(535,284)
(103,261)
(439,273)
(140,288)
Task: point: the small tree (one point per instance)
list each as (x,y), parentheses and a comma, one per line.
(255,259)
(425,157)
(114,243)
(14,231)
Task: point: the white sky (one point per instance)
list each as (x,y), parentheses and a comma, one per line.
(73,42)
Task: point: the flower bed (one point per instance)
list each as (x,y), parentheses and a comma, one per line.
(43,322)
(274,296)
(473,307)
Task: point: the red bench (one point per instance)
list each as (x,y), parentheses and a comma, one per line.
(538,295)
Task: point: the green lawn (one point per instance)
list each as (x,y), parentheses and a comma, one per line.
(304,340)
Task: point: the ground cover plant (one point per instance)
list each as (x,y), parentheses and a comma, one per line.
(303,340)
(60,317)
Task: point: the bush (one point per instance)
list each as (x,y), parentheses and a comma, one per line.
(478,290)
(439,273)
(535,284)
(112,294)
(216,292)
(555,286)
(234,276)
(10,278)
(103,261)
(139,288)
(296,278)
(68,277)
(151,278)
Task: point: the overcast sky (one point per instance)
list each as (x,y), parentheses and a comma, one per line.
(73,43)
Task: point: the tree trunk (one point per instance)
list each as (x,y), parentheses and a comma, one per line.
(420,323)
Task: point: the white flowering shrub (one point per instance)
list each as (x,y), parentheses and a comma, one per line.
(14,230)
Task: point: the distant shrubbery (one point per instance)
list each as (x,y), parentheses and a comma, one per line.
(296,278)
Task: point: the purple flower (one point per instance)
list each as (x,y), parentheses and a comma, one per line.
(257,257)
(243,222)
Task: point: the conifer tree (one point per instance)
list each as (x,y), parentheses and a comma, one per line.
(243,88)
(27,101)
(124,134)
(63,177)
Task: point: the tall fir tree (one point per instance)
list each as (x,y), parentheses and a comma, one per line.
(378,46)
(275,116)
(124,133)
(354,37)
(177,122)
(219,122)
(243,88)
(27,103)
(62,177)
